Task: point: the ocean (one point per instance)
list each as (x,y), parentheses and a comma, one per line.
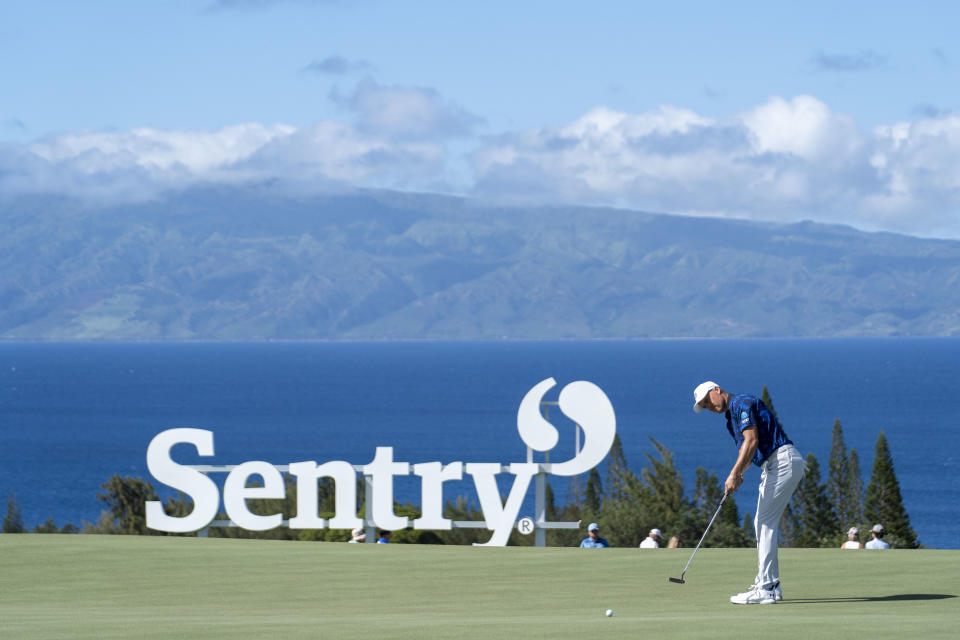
(74,414)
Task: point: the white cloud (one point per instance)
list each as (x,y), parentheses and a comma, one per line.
(139,164)
(785,159)
(199,152)
(782,160)
(804,127)
(407,112)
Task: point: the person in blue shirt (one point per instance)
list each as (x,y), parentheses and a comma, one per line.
(760,440)
(877,541)
(384,537)
(593,539)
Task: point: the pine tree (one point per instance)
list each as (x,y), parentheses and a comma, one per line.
(750,530)
(13,520)
(788,528)
(855,484)
(616,470)
(550,506)
(706,493)
(767,400)
(884,504)
(594,495)
(840,481)
(814,520)
(665,485)
(126,498)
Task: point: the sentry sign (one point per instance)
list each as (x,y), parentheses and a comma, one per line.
(582,402)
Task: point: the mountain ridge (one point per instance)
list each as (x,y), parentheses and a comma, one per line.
(248,263)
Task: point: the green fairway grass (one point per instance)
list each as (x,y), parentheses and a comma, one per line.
(88,586)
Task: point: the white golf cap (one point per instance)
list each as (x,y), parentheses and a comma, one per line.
(853,531)
(655,532)
(701,392)
(593,527)
(878,528)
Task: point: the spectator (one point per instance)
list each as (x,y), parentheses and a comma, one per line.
(852,542)
(877,541)
(593,539)
(358,535)
(674,543)
(384,538)
(653,539)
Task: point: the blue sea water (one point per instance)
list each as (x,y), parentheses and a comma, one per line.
(72,415)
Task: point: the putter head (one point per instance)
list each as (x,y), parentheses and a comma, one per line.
(677,580)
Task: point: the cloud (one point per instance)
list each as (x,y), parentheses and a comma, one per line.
(141,163)
(866,60)
(783,160)
(786,159)
(940,56)
(337,65)
(406,112)
(15,124)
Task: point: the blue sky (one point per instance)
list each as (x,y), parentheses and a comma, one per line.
(773,111)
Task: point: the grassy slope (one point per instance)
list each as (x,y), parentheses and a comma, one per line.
(54,586)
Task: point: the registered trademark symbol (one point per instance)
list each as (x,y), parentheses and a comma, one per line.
(525,526)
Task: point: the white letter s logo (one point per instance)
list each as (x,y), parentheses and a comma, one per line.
(584,403)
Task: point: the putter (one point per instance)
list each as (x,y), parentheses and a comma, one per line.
(680,580)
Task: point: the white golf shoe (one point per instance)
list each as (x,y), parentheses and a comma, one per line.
(777,591)
(756,595)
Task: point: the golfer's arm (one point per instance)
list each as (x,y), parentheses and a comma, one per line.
(747,449)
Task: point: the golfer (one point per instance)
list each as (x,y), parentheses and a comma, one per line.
(761,440)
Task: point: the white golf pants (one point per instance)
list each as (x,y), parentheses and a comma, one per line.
(782,472)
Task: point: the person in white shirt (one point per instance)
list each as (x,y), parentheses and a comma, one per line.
(877,541)
(852,542)
(652,541)
(358,535)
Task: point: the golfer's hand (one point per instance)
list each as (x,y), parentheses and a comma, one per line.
(733,483)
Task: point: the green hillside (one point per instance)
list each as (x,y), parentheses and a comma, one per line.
(86,586)
(249,264)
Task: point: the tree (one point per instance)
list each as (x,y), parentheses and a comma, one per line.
(856,486)
(750,529)
(788,528)
(593,497)
(126,500)
(51,527)
(842,482)
(767,400)
(884,504)
(550,506)
(665,486)
(814,520)
(616,470)
(13,521)
(727,530)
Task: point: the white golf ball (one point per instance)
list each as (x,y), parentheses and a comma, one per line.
(609,612)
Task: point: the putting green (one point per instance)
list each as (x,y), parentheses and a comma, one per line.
(86,586)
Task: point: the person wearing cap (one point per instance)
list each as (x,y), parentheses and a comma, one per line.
(653,539)
(593,539)
(876,542)
(358,535)
(760,440)
(852,542)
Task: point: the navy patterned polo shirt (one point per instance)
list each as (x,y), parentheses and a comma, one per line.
(745,410)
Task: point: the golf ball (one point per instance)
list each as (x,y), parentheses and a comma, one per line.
(609,612)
